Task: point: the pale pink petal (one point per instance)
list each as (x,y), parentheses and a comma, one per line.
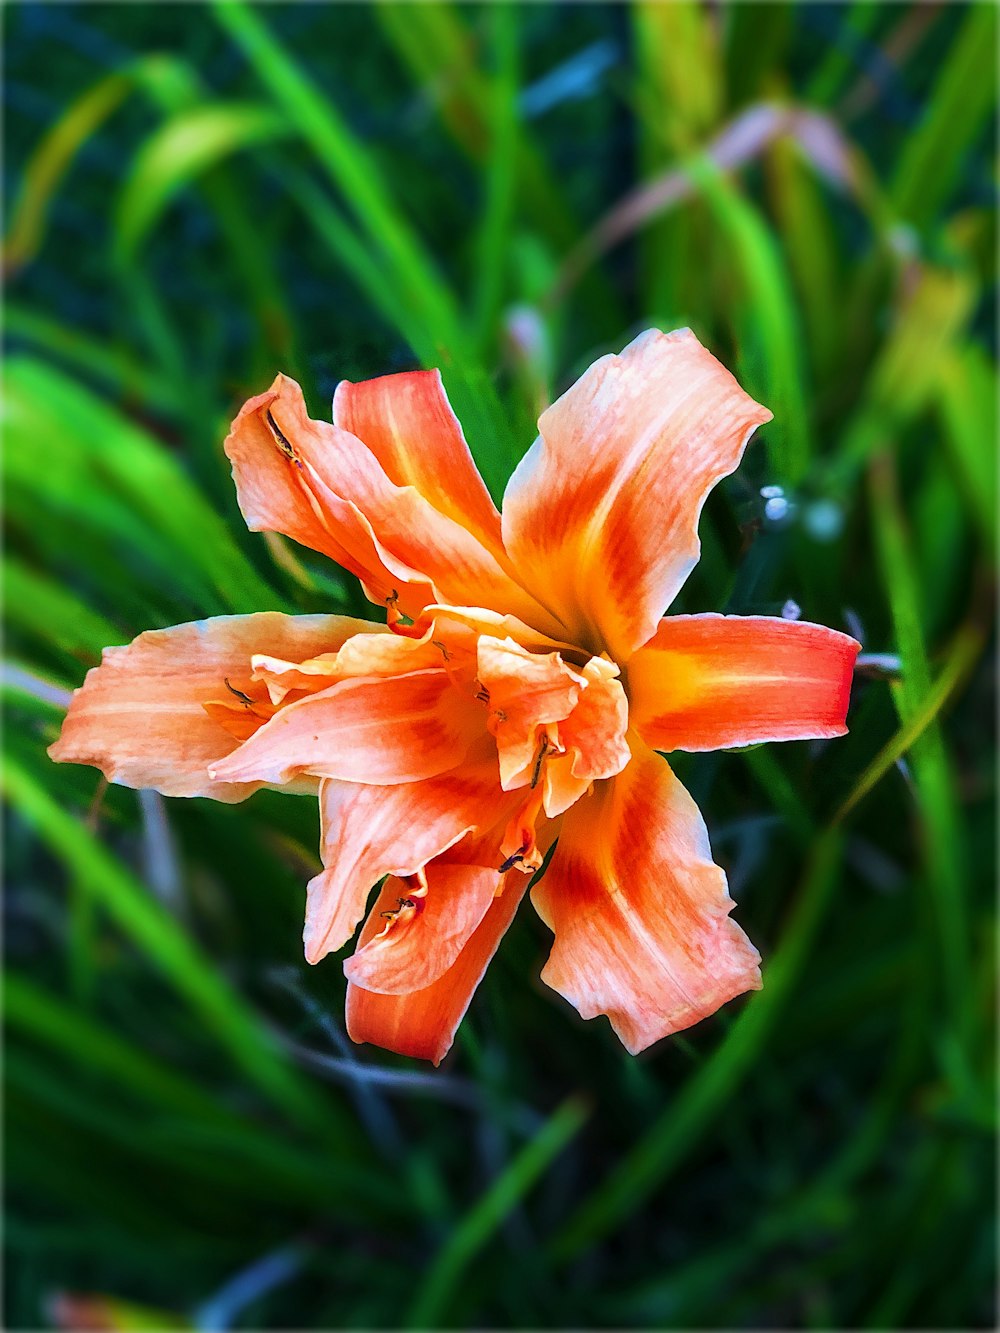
(141,718)
(368,730)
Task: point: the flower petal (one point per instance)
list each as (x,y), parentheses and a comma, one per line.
(369,654)
(281,487)
(524,692)
(398,729)
(593,738)
(708,682)
(140,716)
(639,911)
(423,1023)
(408,424)
(600,517)
(321,485)
(368,832)
(424,930)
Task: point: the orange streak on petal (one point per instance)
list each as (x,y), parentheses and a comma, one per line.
(639,911)
(601,515)
(140,717)
(408,424)
(708,682)
(423,1023)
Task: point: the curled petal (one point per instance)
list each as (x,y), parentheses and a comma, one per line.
(371,831)
(280,466)
(370,654)
(424,929)
(369,730)
(408,424)
(524,692)
(601,515)
(709,682)
(423,1023)
(141,716)
(639,911)
(321,485)
(593,737)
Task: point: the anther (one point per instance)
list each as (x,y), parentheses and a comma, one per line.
(444,651)
(543,747)
(513,860)
(282,440)
(244,699)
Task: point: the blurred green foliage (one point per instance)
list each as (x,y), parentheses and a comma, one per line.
(199,196)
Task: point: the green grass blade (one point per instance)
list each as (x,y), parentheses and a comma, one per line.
(481,1223)
(947,884)
(168,948)
(959,108)
(184,147)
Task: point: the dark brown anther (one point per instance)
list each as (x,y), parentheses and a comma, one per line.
(244,699)
(443,647)
(482,694)
(543,747)
(512,860)
(282,440)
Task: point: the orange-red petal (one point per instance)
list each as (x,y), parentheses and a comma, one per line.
(423,1023)
(709,682)
(371,831)
(373,730)
(424,928)
(600,518)
(639,911)
(321,485)
(140,717)
(408,424)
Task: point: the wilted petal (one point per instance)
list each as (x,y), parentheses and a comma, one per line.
(371,730)
(368,832)
(424,929)
(600,517)
(423,1023)
(140,716)
(639,910)
(708,682)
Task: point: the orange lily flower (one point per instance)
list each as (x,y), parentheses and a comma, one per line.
(517,694)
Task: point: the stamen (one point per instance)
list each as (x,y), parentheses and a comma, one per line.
(543,747)
(282,440)
(513,860)
(443,647)
(482,694)
(244,699)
